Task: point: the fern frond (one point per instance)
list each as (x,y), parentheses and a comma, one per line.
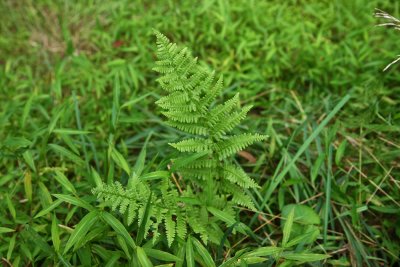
(228,122)
(238,176)
(203,163)
(169,227)
(197,224)
(176,98)
(234,144)
(192,145)
(127,199)
(185,117)
(243,199)
(222,109)
(181,228)
(204,82)
(239,197)
(132,212)
(212,94)
(193,128)
(203,173)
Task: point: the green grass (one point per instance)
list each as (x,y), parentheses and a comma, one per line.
(76,81)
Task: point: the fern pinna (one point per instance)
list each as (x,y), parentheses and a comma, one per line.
(211,182)
(189,107)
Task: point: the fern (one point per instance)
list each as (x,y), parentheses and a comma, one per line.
(210,177)
(191,91)
(132,201)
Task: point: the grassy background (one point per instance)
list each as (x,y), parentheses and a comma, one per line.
(61,62)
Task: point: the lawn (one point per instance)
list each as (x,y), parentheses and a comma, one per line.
(79,114)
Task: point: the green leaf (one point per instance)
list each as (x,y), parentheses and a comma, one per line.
(233,144)
(254,260)
(58,112)
(155,175)
(202,251)
(11,246)
(70,131)
(287,229)
(15,143)
(115,107)
(113,260)
(143,259)
(120,161)
(74,201)
(340,152)
(35,238)
(96,177)
(4,230)
(316,167)
(140,162)
(28,185)
(304,257)
(52,206)
(55,235)
(264,251)
(302,214)
(10,206)
(29,160)
(27,109)
(119,228)
(44,194)
(160,255)
(298,239)
(68,154)
(222,215)
(63,180)
(122,243)
(81,229)
(142,228)
(189,252)
(192,145)
(170,227)
(134,101)
(183,161)
(305,220)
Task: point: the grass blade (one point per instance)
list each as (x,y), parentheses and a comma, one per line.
(81,229)
(118,227)
(66,153)
(204,254)
(143,259)
(63,180)
(75,201)
(287,229)
(304,257)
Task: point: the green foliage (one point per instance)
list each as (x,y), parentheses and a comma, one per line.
(163,208)
(292,251)
(190,107)
(77,98)
(214,179)
(305,223)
